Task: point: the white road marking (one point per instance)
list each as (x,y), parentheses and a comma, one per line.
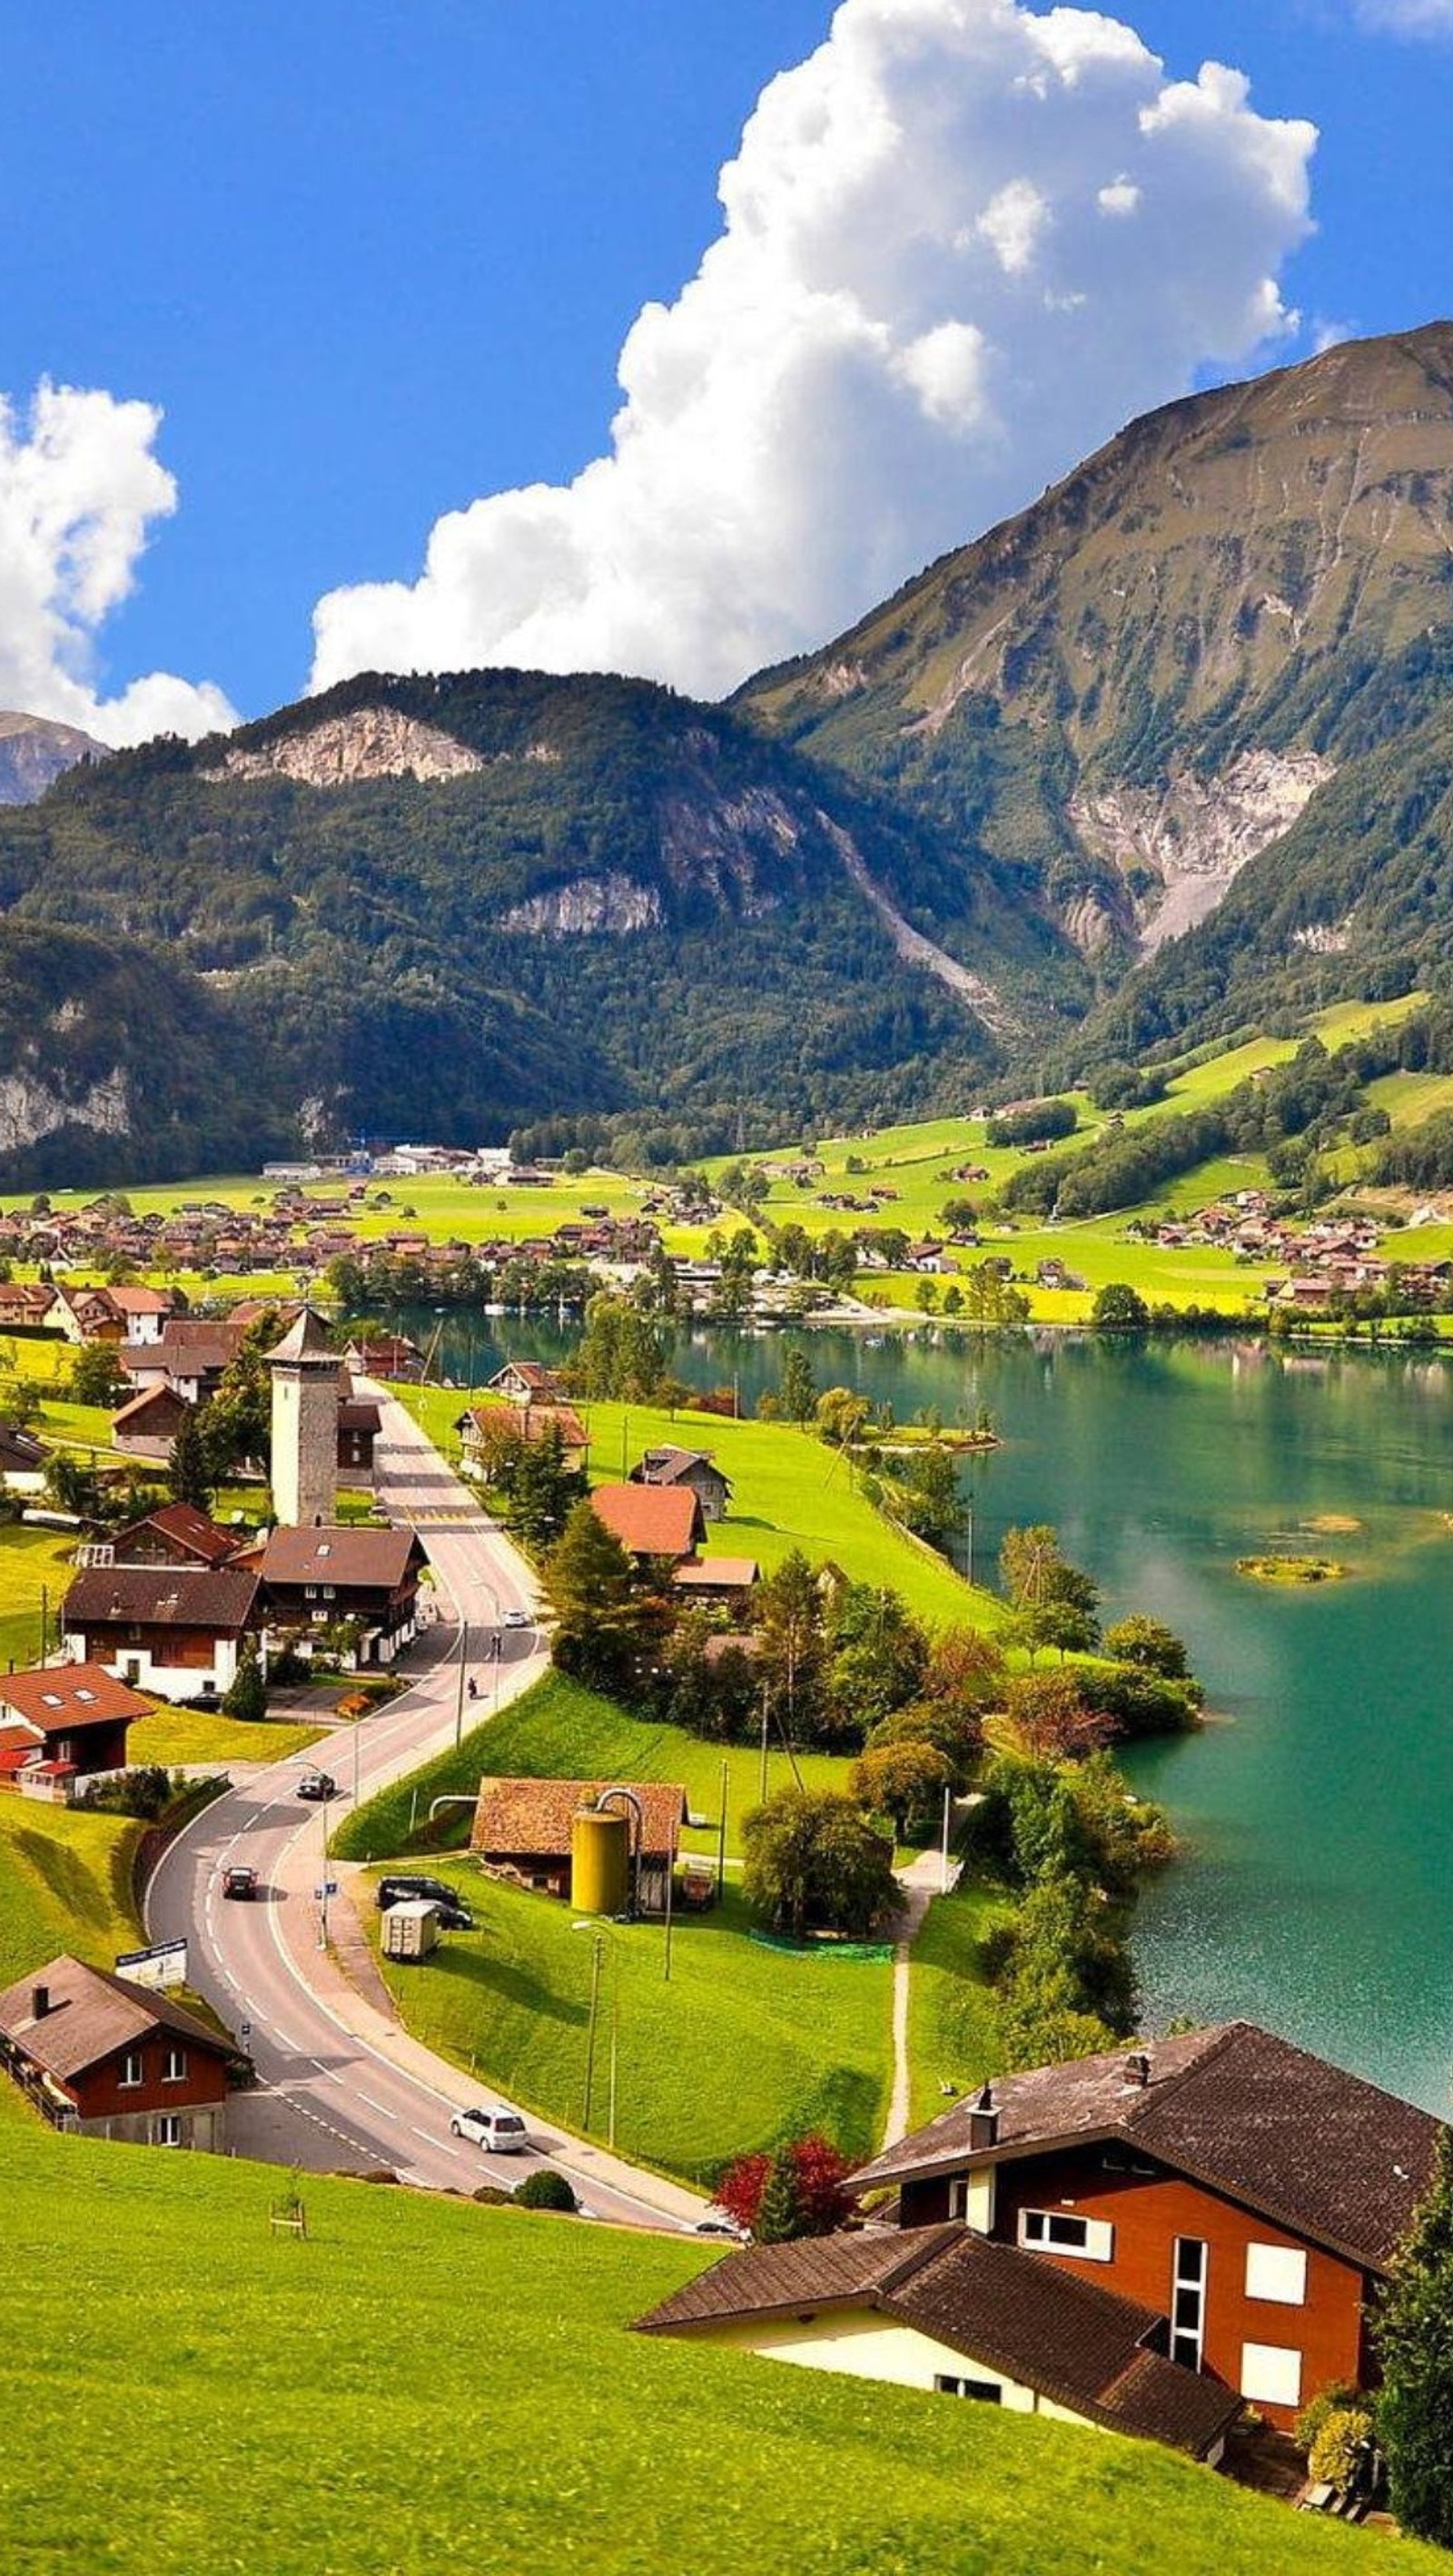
(427,2135)
(381,2108)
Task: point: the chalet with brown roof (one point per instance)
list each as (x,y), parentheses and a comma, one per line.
(174,1534)
(359,1424)
(148,1423)
(69,1719)
(175,1630)
(651,1521)
(84,1315)
(526,1381)
(316,1577)
(946,2311)
(386,1355)
(190,1356)
(97,2054)
(695,1468)
(725,1582)
(528,1422)
(524,1831)
(1252,2192)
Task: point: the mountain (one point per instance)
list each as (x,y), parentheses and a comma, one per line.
(451,906)
(1179,672)
(34,752)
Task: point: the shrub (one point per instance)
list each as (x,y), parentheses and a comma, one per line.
(814,1863)
(1137,1702)
(795,2191)
(246,1697)
(1339,2452)
(546,2189)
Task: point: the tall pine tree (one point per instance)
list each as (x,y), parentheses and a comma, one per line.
(187,1471)
(1414,2336)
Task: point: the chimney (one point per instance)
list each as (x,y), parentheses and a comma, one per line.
(39,2002)
(1137,2070)
(983,2121)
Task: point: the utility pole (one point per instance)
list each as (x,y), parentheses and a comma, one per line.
(947,1804)
(615,2024)
(323,1917)
(597,1948)
(670,1888)
(764,1744)
(721,1831)
(463,1667)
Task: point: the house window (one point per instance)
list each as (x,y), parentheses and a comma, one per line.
(1188,2301)
(1057,2231)
(131,2068)
(166,2129)
(1277,2272)
(175,2069)
(987,2391)
(1271,2374)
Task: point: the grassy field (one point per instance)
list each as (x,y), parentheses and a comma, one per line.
(183,1735)
(558,1731)
(743,2045)
(951,2036)
(65,1884)
(419,2370)
(789,1490)
(32,1562)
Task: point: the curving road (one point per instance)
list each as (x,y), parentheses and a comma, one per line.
(340,2087)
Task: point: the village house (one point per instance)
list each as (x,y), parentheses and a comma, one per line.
(689,1467)
(174,1534)
(359,1424)
(944,2310)
(1248,2192)
(84,1315)
(62,1724)
(386,1355)
(189,1357)
(651,1521)
(529,1421)
(718,1582)
(317,1577)
(178,1631)
(148,1423)
(98,2055)
(523,1830)
(526,1382)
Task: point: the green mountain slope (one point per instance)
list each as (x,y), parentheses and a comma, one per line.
(1129,693)
(443,906)
(420,2382)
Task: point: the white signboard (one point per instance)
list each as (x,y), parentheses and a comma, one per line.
(165,1964)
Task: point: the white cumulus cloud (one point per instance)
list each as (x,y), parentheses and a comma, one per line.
(80,484)
(962,243)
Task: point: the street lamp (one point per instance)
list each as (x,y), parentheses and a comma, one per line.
(601,1937)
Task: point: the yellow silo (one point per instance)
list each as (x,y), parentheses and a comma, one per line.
(600,1861)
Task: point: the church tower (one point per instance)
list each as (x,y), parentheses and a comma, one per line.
(306,1375)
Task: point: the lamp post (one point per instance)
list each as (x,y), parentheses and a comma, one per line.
(463,1669)
(600,1936)
(323,1915)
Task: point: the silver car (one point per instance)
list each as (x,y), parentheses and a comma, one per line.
(491,2126)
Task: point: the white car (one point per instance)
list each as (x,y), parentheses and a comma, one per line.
(491,2126)
(518,1619)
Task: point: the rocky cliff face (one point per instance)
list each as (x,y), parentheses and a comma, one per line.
(34,752)
(1139,684)
(343,750)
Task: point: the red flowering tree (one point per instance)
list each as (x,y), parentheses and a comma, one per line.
(797,2191)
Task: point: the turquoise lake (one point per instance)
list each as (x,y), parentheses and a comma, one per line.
(1316,1890)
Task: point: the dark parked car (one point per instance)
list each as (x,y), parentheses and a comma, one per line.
(238,1881)
(454,1914)
(318,1786)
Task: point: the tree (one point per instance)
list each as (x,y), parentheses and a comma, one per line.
(1118,1308)
(929,1500)
(814,1863)
(1046,1719)
(1146,1642)
(187,1476)
(542,1489)
(589,1584)
(621,1352)
(1051,1624)
(797,1392)
(802,2180)
(840,1416)
(237,1426)
(792,1645)
(781,2214)
(905,1780)
(1034,1572)
(1413,2330)
(879,1653)
(965,1670)
(955,1733)
(97,1376)
(247,1696)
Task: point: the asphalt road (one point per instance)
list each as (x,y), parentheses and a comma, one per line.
(329,2098)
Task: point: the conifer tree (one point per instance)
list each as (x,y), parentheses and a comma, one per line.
(187,1468)
(1414,2333)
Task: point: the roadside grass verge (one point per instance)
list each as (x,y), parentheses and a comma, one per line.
(174,1736)
(743,2045)
(419,2369)
(952,2035)
(558,1731)
(65,1884)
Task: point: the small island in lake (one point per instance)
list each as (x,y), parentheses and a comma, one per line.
(1292,1569)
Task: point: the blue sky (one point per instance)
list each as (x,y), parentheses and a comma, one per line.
(374,263)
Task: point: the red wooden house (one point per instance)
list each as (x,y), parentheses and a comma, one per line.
(66,1720)
(98,2054)
(1250,2192)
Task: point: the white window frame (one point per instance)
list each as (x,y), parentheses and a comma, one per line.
(1278,2274)
(127,2082)
(1190,2268)
(986,2392)
(1271,2374)
(166,2130)
(1037,2226)
(174,2071)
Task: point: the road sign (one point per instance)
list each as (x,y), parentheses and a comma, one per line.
(164,1964)
(244,2030)
(328,1888)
